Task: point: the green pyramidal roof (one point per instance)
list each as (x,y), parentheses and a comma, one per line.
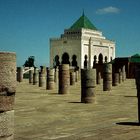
(83,22)
(135,58)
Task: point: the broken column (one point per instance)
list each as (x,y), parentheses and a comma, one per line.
(64,79)
(137,78)
(19,74)
(56,75)
(76,75)
(35,76)
(7,94)
(120,76)
(123,73)
(50,79)
(31,76)
(115,79)
(42,76)
(107,77)
(88,85)
(72,78)
(98,78)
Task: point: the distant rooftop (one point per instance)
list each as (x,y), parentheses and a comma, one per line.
(83,22)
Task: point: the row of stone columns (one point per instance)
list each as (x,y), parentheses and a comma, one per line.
(119,77)
(112,79)
(89,79)
(53,77)
(7,94)
(67,77)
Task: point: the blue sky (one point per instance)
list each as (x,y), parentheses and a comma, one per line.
(27,25)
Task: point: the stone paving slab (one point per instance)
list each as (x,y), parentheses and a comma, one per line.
(44,115)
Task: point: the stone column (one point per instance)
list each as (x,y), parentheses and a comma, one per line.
(64,79)
(35,76)
(120,76)
(42,79)
(123,73)
(107,77)
(50,79)
(115,79)
(137,78)
(72,78)
(19,74)
(31,76)
(42,76)
(56,76)
(89,53)
(88,84)
(98,78)
(7,94)
(76,76)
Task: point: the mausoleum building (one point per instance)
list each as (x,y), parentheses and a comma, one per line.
(81,45)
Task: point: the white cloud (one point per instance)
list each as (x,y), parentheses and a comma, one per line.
(108,10)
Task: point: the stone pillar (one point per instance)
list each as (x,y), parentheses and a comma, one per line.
(42,79)
(43,70)
(120,76)
(107,77)
(64,79)
(89,53)
(98,78)
(76,76)
(35,76)
(50,79)
(123,73)
(19,74)
(31,76)
(137,78)
(88,84)
(115,79)
(42,76)
(72,78)
(7,94)
(56,76)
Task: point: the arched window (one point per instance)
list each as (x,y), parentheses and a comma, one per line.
(85,62)
(65,58)
(94,61)
(105,59)
(95,58)
(74,61)
(100,59)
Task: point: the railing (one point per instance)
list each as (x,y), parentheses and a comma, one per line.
(27,69)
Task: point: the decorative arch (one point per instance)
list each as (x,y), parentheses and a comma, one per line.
(95,58)
(100,58)
(94,61)
(65,58)
(106,59)
(56,61)
(85,61)
(74,61)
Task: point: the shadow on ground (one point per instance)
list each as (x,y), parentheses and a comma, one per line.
(129,123)
(75,102)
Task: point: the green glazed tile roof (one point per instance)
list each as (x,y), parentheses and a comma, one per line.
(135,58)
(83,22)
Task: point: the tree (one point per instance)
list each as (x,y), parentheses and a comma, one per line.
(29,62)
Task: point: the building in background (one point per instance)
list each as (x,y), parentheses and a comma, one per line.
(81,45)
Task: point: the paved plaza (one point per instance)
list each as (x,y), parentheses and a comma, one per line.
(44,115)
